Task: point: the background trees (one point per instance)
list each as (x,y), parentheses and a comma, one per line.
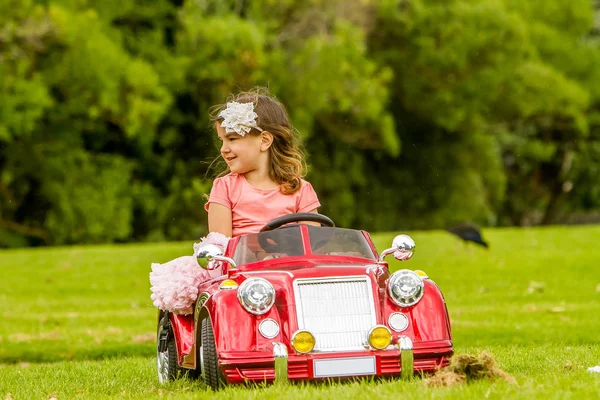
(415,113)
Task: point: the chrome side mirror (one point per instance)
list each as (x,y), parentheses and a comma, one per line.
(403,247)
(209,253)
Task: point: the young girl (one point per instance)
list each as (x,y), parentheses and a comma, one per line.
(262,181)
(265,166)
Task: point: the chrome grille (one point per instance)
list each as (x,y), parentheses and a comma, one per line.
(339,312)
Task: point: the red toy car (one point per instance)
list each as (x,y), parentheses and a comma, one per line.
(303,302)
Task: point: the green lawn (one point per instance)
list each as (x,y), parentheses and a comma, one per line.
(78,322)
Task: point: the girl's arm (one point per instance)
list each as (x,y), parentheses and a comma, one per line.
(219,219)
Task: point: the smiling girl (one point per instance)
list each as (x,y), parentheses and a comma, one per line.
(265,166)
(262,181)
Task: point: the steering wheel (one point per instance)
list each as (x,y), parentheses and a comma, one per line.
(266,240)
(286,219)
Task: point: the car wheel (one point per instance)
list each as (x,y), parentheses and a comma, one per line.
(166,353)
(211,372)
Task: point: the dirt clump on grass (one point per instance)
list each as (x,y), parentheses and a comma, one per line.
(465,368)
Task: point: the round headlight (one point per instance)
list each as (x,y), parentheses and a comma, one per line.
(405,288)
(256,295)
(380,337)
(303,341)
(398,322)
(269,328)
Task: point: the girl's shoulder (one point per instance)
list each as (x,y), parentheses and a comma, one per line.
(305,185)
(227,186)
(226,190)
(230,179)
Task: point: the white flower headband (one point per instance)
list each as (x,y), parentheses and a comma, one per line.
(239,118)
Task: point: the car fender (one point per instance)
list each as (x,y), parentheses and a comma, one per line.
(235,329)
(429,317)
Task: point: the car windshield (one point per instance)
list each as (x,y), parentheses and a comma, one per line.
(287,242)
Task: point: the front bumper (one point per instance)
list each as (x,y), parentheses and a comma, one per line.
(280,367)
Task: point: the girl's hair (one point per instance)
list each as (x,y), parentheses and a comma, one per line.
(287,160)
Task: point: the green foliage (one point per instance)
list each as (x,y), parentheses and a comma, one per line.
(414,113)
(101,83)
(573,19)
(93,197)
(451,73)
(511,76)
(81,100)
(345,100)
(553,97)
(24,96)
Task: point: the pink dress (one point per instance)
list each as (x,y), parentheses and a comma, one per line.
(175,283)
(252,208)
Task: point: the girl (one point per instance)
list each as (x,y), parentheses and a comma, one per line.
(265,166)
(262,181)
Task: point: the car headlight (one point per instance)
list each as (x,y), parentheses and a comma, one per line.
(256,295)
(405,288)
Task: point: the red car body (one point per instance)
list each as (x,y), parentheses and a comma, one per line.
(309,289)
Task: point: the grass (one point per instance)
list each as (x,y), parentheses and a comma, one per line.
(78,322)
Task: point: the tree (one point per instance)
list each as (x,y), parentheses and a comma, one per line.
(415,114)
(79,101)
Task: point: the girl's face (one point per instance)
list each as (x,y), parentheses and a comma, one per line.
(242,154)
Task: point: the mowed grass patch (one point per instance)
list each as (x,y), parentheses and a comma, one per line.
(79,322)
(79,303)
(540,373)
(533,286)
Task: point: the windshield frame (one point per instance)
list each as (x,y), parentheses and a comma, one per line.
(241,255)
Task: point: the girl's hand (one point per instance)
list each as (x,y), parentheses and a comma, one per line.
(263,255)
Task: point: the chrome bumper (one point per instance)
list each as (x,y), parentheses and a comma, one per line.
(407,359)
(280,354)
(405,345)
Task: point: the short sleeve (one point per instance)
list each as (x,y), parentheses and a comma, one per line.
(307,200)
(220,193)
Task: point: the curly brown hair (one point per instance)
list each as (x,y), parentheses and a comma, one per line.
(286,154)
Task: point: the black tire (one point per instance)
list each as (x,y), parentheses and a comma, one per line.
(166,360)
(212,374)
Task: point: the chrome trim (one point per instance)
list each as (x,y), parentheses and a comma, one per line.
(268,320)
(202,299)
(280,354)
(407,360)
(402,243)
(410,300)
(227,260)
(339,317)
(210,252)
(397,329)
(241,290)
(371,331)
(162,361)
(294,336)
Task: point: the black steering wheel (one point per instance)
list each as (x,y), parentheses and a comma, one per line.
(267,241)
(306,216)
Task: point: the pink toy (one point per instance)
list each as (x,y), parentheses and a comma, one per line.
(175,283)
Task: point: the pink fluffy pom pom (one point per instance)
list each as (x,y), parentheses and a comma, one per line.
(175,284)
(215,238)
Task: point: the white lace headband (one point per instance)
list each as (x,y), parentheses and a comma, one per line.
(239,118)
